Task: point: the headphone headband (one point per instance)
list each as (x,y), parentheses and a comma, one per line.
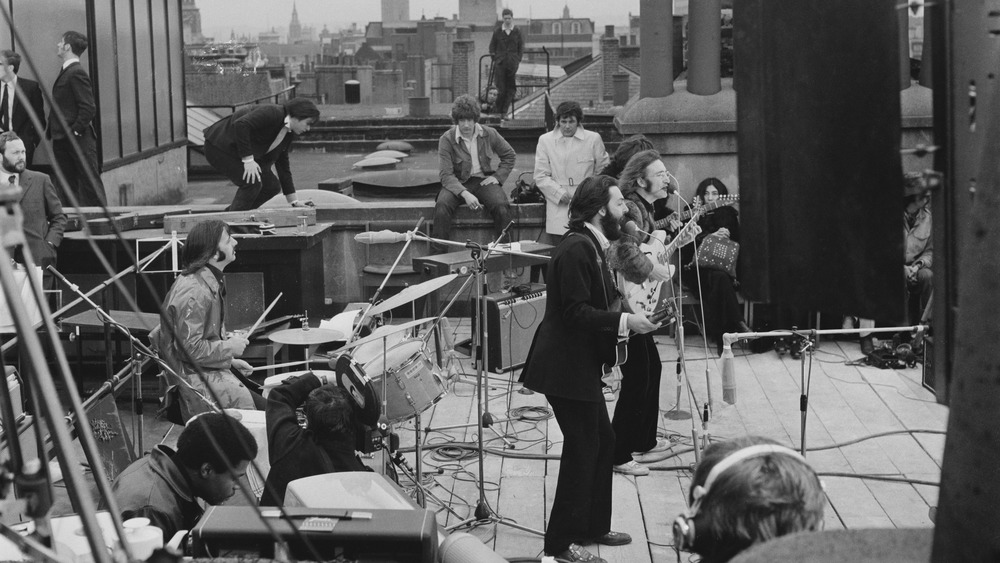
(732,459)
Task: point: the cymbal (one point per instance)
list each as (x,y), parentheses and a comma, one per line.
(378,337)
(305,337)
(412,293)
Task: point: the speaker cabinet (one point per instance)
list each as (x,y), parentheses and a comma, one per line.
(818,128)
(511,321)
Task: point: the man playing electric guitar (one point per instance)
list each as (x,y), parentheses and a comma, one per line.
(644,180)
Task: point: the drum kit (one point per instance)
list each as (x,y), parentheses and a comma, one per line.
(387,370)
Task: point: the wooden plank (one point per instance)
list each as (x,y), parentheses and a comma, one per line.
(662,501)
(854,504)
(626,516)
(902,503)
(519,502)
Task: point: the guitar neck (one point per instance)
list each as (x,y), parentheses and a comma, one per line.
(688,213)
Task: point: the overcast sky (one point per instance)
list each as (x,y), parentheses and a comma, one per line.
(218,17)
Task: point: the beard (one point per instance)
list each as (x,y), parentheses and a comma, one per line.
(14,167)
(611,226)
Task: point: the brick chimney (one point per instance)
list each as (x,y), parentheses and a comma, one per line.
(610,54)
(704,47)
(463,77)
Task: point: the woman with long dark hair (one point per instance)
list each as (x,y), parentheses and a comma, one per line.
(718,290)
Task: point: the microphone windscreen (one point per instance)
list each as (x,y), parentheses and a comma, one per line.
(728,375)
(461,547)
(380,237)
(631,229)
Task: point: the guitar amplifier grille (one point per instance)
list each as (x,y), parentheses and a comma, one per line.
(511,322)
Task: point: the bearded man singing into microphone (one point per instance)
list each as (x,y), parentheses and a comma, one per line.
(192,338)
(576,337)
(637,414)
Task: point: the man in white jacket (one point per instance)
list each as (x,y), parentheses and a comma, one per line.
(563,158)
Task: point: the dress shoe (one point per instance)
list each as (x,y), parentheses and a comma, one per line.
(614,538)
(576,552)
(867,345)
(662,445)
(632,468)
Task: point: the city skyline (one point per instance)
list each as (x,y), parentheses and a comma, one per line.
(220,17)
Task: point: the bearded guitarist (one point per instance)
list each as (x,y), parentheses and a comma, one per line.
(643,181)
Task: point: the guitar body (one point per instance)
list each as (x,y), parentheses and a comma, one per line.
(644,298)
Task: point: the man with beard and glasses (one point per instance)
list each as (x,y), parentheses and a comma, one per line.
(44,220)
(576,338)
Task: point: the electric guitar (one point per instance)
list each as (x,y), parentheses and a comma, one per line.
(723,201)
(621,347)
(644,297)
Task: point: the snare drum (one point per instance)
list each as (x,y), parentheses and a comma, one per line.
(367,352)
(412,384)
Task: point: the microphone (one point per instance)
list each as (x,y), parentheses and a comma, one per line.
(728,374)
(633,230)
(381,237)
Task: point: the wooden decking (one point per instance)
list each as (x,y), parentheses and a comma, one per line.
(847,404)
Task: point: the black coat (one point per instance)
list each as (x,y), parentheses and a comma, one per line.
(73,94)
(295,452)
(578,333)
(20,122)
(249,131)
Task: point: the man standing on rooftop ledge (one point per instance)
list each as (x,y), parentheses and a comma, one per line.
(506,48)
(246,145)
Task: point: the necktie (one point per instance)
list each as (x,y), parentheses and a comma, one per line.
(4,104)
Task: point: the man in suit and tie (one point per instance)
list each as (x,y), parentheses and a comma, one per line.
(246,145)
(576,337)
(44,220)
(16,95)
(73,96)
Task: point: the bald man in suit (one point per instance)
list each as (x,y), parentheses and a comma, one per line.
(17,96)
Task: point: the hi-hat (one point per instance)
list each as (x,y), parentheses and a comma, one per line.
(385,333)
(305,337)
(412,293)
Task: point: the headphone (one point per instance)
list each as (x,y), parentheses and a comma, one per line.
(684,532)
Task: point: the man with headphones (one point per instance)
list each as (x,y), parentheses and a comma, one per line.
(746,491)
(192,338)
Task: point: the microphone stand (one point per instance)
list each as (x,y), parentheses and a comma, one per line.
(480,254)
(809,338)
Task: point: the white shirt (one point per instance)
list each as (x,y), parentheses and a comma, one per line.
(70,61)
(605,243)
(561,163)
(473,146)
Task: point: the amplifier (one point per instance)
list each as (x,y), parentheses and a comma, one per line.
(511,321)
(404,536)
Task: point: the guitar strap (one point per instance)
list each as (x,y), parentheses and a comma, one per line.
(616,303)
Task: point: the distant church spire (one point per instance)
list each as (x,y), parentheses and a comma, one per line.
(294,28)
(566,11)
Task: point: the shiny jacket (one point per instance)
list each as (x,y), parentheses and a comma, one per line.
(456,162)
(194,307)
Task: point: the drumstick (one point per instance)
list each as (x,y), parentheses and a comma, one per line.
(275,366)
(264,314)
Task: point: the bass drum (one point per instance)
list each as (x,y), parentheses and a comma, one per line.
(412,384)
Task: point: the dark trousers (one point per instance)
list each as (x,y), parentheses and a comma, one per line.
(920,290)
(248,196)
(637,414)
(491,196)
(718,298)
(581,509)
(75,169)
(506,78)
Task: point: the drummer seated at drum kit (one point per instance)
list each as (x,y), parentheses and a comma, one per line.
(326,445)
